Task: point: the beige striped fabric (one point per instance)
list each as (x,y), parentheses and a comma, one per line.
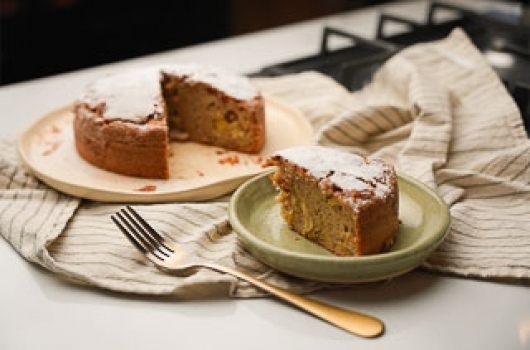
(440,114)
(437,111)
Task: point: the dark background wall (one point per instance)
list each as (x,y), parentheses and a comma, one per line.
(45,37)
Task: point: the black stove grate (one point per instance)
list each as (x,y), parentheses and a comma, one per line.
(354,65)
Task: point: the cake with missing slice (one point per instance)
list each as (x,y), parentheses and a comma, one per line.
(124,122)
(344,202)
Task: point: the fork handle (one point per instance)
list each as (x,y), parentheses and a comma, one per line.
(351,321)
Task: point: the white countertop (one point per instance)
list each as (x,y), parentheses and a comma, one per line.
(421,310)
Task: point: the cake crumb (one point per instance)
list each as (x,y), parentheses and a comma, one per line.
(260,160)
(147,188)
(50,148)
(230,160)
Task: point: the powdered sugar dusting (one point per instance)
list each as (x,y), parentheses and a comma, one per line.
(237,86)
(136,94)
(132,95)
(345,170)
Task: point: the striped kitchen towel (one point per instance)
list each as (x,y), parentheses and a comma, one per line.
(435,110)
(441,114)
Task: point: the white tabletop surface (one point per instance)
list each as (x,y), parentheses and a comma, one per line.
(421,310)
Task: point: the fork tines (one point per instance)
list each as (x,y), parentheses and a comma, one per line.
(141,234)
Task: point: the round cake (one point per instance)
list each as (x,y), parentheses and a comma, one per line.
(124,122)
(346,203)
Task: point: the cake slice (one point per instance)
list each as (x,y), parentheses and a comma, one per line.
(346,203)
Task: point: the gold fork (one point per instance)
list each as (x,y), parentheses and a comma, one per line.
(168,257)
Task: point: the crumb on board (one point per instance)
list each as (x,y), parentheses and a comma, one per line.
(230,160)
(50,148)
(259,160)
(147,188)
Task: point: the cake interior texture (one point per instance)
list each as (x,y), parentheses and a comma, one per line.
(349,207)
(200,113)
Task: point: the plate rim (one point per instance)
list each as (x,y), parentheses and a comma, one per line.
(199,192)
(403,255)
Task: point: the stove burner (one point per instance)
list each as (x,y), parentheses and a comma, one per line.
(504,42)
(353,66)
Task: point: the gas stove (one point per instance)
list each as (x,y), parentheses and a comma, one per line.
(504,39)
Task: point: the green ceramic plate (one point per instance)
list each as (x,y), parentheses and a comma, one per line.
(255,216)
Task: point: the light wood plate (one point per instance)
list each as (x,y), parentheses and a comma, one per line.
(198,172)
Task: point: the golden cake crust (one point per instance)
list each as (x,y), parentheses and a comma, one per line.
(346,203)
(123,147)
